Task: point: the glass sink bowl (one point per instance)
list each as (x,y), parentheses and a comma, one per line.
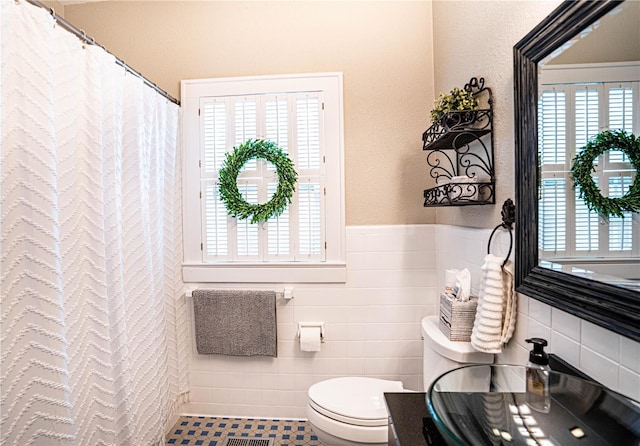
(489,405)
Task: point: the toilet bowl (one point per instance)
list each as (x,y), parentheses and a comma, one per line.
(350,410)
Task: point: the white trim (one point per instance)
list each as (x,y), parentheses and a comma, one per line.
(229,86)
(191,93)
(590,73)
(265,273)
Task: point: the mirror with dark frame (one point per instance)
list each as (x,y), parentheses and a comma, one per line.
(616,308)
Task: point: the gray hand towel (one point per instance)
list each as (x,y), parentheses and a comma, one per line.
(235,322)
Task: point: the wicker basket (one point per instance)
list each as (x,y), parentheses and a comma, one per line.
(456,317)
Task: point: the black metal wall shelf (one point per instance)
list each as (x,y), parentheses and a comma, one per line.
(460,194)
(460,144)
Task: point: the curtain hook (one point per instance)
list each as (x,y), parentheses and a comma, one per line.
(53,15)
(84,38)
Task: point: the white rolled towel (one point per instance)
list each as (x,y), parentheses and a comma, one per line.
(509,325)
(495,316)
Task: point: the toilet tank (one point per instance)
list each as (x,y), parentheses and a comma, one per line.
(441,355)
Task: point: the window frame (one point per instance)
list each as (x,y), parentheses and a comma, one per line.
(333,268)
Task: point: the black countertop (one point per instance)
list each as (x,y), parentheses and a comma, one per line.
(410,423)
(409,420)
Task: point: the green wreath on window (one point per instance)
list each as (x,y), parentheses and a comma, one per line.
(228,184)
(582,167)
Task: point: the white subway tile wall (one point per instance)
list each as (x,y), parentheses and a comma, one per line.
(372,325)
(394,275)
(605,356)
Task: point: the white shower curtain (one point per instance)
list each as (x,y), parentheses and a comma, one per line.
(92,323)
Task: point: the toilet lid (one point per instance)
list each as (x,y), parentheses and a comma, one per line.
(355,400)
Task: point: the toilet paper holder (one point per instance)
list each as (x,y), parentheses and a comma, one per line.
(312,324)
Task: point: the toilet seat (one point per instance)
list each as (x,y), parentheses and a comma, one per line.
(336,433)
(350,410)
(357,401)
(349,420)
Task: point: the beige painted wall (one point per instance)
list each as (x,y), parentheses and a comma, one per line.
(476,38)
(384,50)
(57,7)
(615,39)
(395,59)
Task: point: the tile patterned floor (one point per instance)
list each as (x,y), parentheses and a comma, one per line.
(211,431)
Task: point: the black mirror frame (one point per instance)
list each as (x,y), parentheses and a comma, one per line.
(614,308)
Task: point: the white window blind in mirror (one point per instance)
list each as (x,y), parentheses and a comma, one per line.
(552,215)
(552,127)
(587,227)
(569,115)
(620,114)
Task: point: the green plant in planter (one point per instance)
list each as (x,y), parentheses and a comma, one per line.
(457,100)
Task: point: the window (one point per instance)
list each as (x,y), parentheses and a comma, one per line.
(302,114)
(569,114)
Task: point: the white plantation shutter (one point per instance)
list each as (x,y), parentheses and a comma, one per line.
(277,121)
(281,118)
(246,119)
(552,149)
(215,233)
(620,115)
(552,215)
(620,228)
(214,130)
(309,211)
(587,114)
(214,135)
(308,131)
(279,232)
(587,125)
(308,138)
(277,128)
(621,106)
(246,122)
(586,226)
(303,114)
(247,247)
(552,126)
(589,110)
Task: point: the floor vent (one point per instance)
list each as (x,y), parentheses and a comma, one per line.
(247,441)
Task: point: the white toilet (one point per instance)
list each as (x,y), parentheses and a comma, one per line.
(351,411)
(441,355)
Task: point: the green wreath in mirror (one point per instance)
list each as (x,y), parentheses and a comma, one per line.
(582,169)
(228,181)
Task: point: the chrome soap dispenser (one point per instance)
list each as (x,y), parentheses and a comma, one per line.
(537,395)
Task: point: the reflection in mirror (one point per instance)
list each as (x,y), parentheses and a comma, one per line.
(590,84)
(563,39)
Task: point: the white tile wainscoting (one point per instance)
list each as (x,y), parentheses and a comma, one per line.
(372,325)
(372,321)
(605,356)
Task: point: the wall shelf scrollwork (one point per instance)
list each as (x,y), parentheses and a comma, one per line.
(460,154)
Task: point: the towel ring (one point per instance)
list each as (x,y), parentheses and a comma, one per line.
(508,218)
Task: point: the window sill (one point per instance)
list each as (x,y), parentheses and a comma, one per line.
(265,273)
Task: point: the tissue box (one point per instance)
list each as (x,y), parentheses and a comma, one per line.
(456,317)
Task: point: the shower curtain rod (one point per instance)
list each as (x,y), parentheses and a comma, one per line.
(83,36)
